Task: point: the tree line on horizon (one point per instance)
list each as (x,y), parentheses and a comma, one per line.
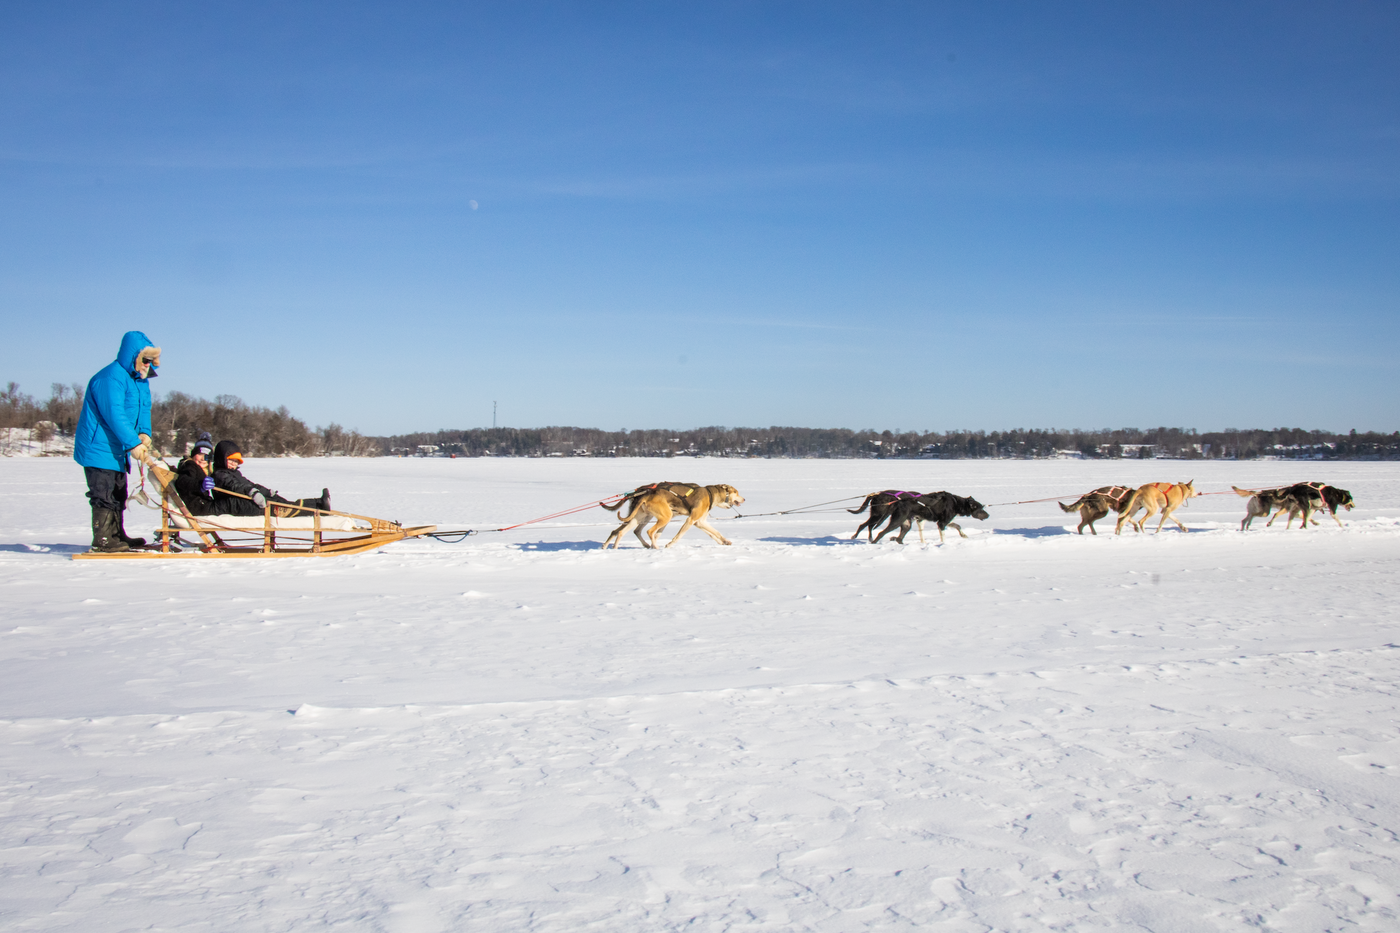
(177,420)
(844,443)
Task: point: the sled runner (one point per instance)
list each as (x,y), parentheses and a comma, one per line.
(312,533)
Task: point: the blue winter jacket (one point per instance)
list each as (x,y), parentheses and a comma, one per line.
(116,408)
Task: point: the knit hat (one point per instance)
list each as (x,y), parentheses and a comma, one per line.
(205,443)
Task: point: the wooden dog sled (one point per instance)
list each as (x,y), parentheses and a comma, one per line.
(317,534)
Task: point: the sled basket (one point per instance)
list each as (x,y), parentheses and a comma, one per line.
(312,533)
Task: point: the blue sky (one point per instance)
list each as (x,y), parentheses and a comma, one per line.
(889,215)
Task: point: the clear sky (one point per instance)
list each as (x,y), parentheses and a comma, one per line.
(669,214)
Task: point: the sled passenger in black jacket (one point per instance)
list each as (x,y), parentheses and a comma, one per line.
(194,480)
(227,461)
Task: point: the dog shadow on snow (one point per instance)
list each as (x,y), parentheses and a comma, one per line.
(559,546)
(833,541)
(1044,531)
(1053,531)
(827,541)
(59,549)
(824,541)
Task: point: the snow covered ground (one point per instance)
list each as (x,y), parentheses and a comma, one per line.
(1025,730)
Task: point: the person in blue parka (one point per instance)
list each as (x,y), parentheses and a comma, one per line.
(116,423)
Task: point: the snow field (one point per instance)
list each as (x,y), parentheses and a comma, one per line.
(1025,730)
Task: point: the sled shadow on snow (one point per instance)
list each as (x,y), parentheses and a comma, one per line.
(59,549)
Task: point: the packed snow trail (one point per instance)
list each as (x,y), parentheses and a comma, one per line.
(1025,730)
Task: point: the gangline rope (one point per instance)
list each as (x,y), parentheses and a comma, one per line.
(815,508)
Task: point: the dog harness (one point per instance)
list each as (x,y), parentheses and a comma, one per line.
(1318,487)
(679,490)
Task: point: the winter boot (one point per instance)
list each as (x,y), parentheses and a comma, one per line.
(104,532)
(128,539)
(322,504)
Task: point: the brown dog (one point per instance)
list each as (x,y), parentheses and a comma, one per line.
(881,503)
(660,502)
(1093,506)
(1155,497)
(1261,503)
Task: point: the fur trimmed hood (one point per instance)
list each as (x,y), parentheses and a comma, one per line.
(139,355)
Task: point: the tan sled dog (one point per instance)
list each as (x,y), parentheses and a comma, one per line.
(1155,497)
(660,502)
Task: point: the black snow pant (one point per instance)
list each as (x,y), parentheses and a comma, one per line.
(106,489)
(235,505)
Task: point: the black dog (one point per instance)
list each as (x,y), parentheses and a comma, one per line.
(1310,497)
(940,507)
(880,504)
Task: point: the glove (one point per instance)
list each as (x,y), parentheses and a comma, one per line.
(146,452)
(207,486)
(259,499)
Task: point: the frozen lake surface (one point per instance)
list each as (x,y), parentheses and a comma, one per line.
(1026,730)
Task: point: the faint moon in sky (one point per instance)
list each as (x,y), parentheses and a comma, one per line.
(473,204)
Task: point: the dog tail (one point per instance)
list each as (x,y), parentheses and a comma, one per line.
(632,496)
(1130,503)
(863,504)
(1075,506)
(1246,493)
